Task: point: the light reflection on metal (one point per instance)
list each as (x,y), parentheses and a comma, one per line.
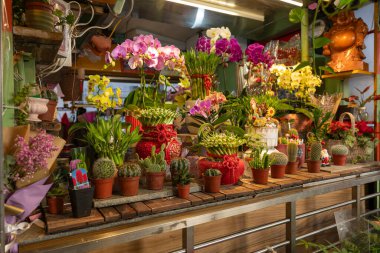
(199,18)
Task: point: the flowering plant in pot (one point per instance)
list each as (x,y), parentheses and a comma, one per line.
(339,154)
(365,143)
(314,162)
(56,194)
(154,168)
(260,165)
(340,133)
(279,162)
(212,180)
(103,173)
(183,183)
(177,164)
(129,175)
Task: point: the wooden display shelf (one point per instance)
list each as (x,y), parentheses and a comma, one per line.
(347,74)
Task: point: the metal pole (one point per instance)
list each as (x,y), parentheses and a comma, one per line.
(291,226)
(2,213)
(188,239)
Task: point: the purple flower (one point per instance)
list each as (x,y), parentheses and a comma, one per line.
(119,52)
(236,54)
(222,46)
(256,55)
(203,44)
(313,6)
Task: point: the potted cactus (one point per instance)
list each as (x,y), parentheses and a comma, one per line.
(279,162)
(103,172)
(212,178)
(314,163)
(292,166)
(129,176)
(339,154)
(177,164)
(154,167)
(183,183)
(260,165)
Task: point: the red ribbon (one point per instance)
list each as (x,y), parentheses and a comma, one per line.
(163,133)
(207,81)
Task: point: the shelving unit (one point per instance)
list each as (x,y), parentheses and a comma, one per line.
(348,74)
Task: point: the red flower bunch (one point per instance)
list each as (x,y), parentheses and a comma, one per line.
(338,130)
(364,129)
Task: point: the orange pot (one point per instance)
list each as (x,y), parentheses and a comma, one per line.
(49,115)
(212,184)
(313,166)
(292,167)
(155,180)
(260,176)
(129,186)
(55,204)
(103,188)
(183,191)
(277,171)
(339,160)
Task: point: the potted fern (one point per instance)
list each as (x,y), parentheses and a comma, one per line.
(183,183)
(339,154)
(129,176)
(279,162)
(314,163)
(103,172)
(260,165)
(212,179)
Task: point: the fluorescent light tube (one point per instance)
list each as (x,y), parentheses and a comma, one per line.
(299,4)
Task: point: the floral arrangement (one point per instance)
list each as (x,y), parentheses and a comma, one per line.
(207,110)
(222,143)
(341,131)
(361,101)
(365,139)
(261,115)
(302,82)
(101,95)
(31,156)
(154,116)
(219,41)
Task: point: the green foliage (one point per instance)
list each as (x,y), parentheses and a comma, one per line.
(222,143)
(68,19)
(339,150)
(315,151)
(260,160)
(278,158)
(155,116)
(301,65)
(292,151)
(182,177)
(155,162)
(20,100)
(283,140)
(320,120)
(179,163)
(321,41)
(212,172)
(296,15)
(59,187)
(49,94)
(293,132)
(130,170)
(103,168)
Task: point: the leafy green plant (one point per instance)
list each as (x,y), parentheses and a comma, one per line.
(59,187)
(68,19)
(260,160)
(222,143)
(319,127)
(49,94)
(155,162)
(155,116)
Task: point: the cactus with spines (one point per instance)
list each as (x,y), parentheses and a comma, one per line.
(130,170)
(179,163)
(183,176)
(155,162)
(315,151)
(293,133)
(103,168)
(278,158)
(339,150)
(292,151)
(212,172)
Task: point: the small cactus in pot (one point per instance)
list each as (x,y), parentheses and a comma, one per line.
(176,165)
(103,172)
(212,180)
(279,162)
(129,175)
(339,154)
(292,165)
(314,163)
(183,183)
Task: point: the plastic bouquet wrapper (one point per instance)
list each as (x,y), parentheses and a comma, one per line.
(287,53)
(327,102)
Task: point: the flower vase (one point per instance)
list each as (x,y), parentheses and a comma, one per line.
(361,114)
(269,135)
(156,136)
(230,166)
(36,106)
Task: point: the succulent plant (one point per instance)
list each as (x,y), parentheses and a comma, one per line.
(155,162)
(155,116)
(222,143)
(315,151)
(260,161)
(293,132)
(292,152)
(130,170)
(179,163)
(278,158)
(339,150)
(182,177)
(283,140)
(212,172)
(103,168)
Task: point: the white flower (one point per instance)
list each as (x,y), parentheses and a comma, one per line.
(225,33)
(213,33)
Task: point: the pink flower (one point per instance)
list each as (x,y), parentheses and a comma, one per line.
(119,52)
(135,62)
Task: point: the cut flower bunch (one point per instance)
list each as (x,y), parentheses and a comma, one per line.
(155,116)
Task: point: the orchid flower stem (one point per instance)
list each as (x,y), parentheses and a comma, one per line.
(143,84)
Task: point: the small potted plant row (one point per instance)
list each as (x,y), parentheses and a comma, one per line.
(339,154)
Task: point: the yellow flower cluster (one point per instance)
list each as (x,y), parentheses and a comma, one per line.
(101,95)
(260,122)
(301,82)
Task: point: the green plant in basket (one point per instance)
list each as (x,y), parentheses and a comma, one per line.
(222,143)
(155,116)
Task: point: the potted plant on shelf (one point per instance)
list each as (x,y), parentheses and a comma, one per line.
(292,166)
(212,179)
(103,173)
(183,183)
(154,168)
(129,176)
(39,15)
(56,195)
(314,163)
(176,165)
(279,162)
(339,154)
(341,133)
(51,106)
(260,165)
(292,136)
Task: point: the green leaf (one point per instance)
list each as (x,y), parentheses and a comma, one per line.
(236,130)
(305,112)
(327,68)
(301,65)
(296,15)
(343,3)
(321,41)
(223,118)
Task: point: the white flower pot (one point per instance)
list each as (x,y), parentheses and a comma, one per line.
(269,135)
(36,106)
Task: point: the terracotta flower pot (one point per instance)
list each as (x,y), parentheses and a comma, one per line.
(260,176)
(183,191)
(339,160)
(313,166)
(277,171)
(291,167)
(212,184)
(283,148)
(55,204)
(155,180)
(103,188)
(129,186)
(49,115)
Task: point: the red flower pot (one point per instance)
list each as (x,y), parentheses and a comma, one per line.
(291,168)
(183,191)
(283,148)
(277,171)
(55,204)
(339,160)
(260,176)
(129,186)
(212,184)
(313,166)
(103,188)
(155,180)
(49,115)
(134,122)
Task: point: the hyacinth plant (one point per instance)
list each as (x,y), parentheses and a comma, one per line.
(222,143)
(156,116)
(146,52)
(32,155)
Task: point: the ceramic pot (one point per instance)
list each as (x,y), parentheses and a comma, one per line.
(129,186)
(155,180)
(183,191)
(283,148)
(36,106)
(277,171)
(50,114)
(212,183)
(39,15)
(291,167)
(339,160)
(55,204)
(81,201)
(313,166)
(260,176)
(269,135)
(103,188)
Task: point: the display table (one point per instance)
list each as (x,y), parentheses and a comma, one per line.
(283,205)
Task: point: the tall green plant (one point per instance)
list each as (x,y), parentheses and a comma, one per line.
(319,125)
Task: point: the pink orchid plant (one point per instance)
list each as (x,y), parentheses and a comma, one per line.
(208,110)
